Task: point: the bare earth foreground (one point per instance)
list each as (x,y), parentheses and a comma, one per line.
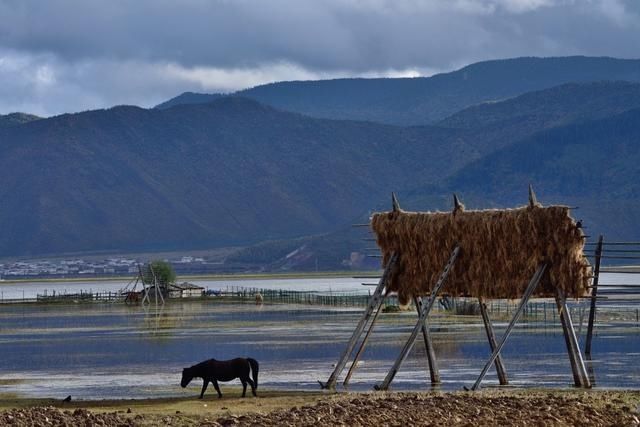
(486,408)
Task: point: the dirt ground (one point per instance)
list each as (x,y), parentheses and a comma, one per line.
(485,408)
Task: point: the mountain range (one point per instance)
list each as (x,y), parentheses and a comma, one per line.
(233,171)
(427,100)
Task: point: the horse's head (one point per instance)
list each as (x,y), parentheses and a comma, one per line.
(187,376)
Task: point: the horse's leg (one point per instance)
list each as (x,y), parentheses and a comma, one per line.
(217,387)
(205,383)
(253,386)
(244,386)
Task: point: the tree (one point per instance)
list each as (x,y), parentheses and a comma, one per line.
(163,271)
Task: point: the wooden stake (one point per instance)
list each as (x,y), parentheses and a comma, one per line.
(374,303)
(525,298)
(457,205)
(426,308)
(501,371)
(434,373)
(533,200)
(394,203)
(580,377)
(594,296)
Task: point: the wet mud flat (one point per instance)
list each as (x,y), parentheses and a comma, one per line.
(484,408)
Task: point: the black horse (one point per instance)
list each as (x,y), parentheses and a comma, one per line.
(212,371)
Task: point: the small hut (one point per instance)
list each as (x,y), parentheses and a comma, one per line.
(185,290)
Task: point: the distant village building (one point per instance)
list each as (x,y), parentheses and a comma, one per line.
(185,290)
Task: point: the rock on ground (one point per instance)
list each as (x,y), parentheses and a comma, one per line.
(522,408)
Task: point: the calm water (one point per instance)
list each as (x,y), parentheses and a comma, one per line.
(114,351)
(29,290)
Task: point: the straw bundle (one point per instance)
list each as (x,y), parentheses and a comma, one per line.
(499,251)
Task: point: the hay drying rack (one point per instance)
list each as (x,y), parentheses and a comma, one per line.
(618,250)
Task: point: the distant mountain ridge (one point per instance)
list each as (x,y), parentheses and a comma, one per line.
(15,119)
(427,100)
(189,98)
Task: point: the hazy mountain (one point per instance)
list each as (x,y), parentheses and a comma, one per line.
(490,126)
(427,100)
(14,119)
(551,107)
(556,139)
(592,164)
(189,98)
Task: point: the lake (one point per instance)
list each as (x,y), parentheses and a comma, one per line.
(96,351)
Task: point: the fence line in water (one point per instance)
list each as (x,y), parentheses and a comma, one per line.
(535,311)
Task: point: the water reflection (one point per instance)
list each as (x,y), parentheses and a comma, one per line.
(115,351)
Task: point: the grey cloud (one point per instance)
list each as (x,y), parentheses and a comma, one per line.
(114,51)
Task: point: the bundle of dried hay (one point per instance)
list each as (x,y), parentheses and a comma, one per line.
(499,251)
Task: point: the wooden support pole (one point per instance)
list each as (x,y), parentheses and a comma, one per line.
(157,290)
(457,204)
(500,369)
(531,287)
(434,372)
(374,303)
(426,308)
(533,200)
(144,287)
(580,377)
(395,204)
(594,296)
(362,346)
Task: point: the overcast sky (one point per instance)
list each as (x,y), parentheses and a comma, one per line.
(72,55)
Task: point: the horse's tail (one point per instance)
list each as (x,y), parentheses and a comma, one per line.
(254,369)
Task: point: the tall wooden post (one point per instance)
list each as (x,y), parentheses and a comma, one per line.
(374,304)
(531,287)
(594,296)
(580,377)
(426,308)
(501,371)
(434,373)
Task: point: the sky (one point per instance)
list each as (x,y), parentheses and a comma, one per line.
(61,56)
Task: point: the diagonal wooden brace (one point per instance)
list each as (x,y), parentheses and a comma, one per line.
(500,369)
(531,287)
(374,304)
(356,359)
(426,308)
(580,376)
(434,373)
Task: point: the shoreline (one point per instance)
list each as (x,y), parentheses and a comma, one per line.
(258,276)
(213,277)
